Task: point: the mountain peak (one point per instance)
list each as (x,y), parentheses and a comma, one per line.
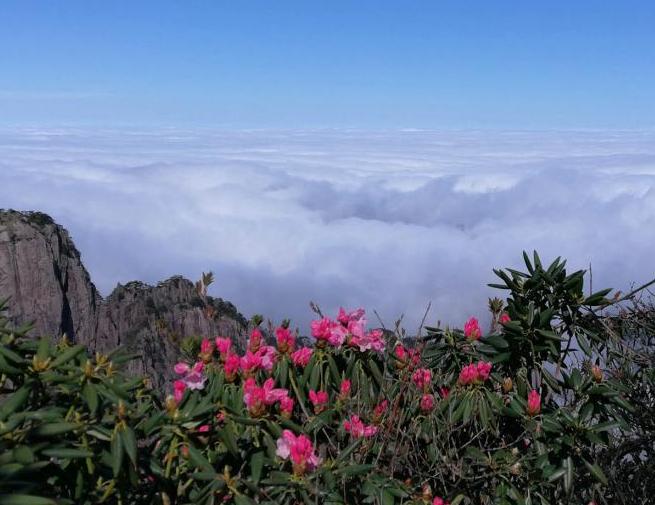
(42,274)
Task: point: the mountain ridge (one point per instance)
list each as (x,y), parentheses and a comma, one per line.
(42,274)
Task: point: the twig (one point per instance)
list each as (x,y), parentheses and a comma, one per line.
(425,315)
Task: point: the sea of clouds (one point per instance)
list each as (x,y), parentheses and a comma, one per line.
(387,220)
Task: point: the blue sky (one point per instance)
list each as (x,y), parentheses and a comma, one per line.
(432,64)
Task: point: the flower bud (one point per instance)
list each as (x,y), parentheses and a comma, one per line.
(426,492)
(171,405)
(507,385)
(597,373)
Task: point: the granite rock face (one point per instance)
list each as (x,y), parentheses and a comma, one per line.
(152,321)
(42,273)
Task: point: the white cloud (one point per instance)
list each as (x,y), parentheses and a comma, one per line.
(387,219)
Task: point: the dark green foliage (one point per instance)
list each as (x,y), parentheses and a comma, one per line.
(74,430)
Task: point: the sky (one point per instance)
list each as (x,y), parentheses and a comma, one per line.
(376,154)
(364,64)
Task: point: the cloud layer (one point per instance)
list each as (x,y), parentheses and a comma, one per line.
(388,220)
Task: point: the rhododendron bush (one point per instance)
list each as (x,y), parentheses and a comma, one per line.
(515,415)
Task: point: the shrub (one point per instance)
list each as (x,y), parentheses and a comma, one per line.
(517,416)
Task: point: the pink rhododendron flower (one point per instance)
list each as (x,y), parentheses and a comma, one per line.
(345,318)
(402,356)
(273,394)
(472,329)
(373,340)
(258,398)
(220,417)
(414,357)
(255,339)
(504,318)
(326,330)
(302,356)
(444,392)
(192,376)
(484,370)
(427,402)
(468,374)
(250,363)
(534,403)
(286,342)
(224,346)
(439,501)
(475,373)
(319,399)
(321,328)
(344,389)
(268,354)
(422,378)
(379,410)
(357,428)
(181,368)
(254,397)
(178,390)
(300,450)
(203,429)
(206,346)
(286,406)
(231,366)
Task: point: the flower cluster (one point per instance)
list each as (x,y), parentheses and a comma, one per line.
(472,329)
(300,450)
(357,428)
(350,328)
(258,398)
(422,378)
(319,399)
(192,378)
(475,373)
(301,357)
(406,357)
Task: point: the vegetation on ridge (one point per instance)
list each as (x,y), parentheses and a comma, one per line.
(538,411)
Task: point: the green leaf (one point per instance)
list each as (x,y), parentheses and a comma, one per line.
(375,371)
(336,377)
(10,355)
(343,455)
(496,341)
(386,498)
(227,436)
(54,429)
(568,476)
(256,465)
(43,350)
(458,499)
(352,470)
(25,499)
(23,454)
(596,471)
(90,394)
(199,460)
(66,453)
(14,402)
(242,499)
(128,439)
(283,372)
(116,453)
(67,355)
(315,377)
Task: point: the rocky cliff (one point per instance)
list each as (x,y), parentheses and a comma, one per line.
(42,273)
